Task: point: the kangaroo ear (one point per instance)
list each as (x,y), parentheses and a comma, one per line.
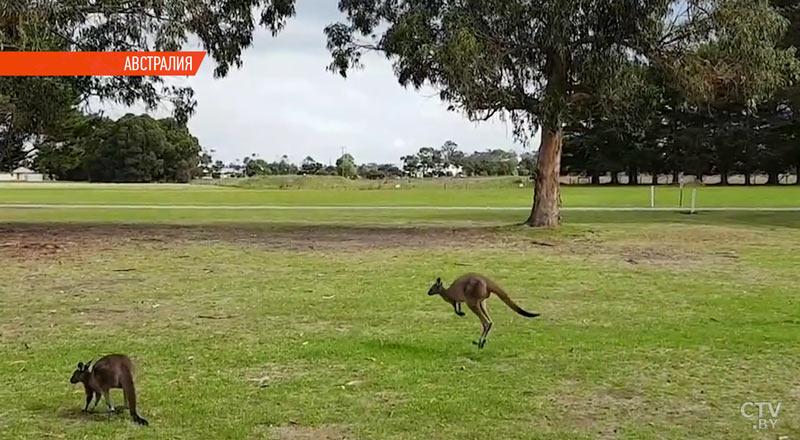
(80,365)
(438,281)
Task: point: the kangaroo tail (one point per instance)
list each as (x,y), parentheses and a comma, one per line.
(130,396)
(511,304)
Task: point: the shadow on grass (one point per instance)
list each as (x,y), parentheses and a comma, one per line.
(77,413)
(781,219)
(74,412)
(403,349)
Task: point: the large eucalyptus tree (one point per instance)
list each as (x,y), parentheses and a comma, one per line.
(538,62)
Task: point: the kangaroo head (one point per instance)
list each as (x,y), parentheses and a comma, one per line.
(80,374)
(437,288)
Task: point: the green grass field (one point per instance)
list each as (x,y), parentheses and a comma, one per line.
(507,196)
(284,325)
(381,207)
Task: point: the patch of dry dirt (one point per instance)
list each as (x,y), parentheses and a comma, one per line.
(384,401)
(62,241)
(26,241)
(266,375)
(298,432)
(592,413)
(30,249)
(661,256)
(11,330)
(645,250)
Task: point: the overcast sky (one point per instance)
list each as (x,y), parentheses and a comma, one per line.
(283,101)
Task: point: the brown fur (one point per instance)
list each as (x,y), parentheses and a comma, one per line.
(112,371)
(474,289)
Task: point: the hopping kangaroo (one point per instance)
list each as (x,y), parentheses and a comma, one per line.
(474,289)
(112,371)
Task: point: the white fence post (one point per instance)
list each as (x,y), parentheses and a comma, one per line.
(694,199)
(652,196)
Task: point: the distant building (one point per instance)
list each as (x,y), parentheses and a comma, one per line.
(229,172)
(448,171)
(26,175)
(453,171)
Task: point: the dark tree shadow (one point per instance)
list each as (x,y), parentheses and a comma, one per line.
(402,348)
(779,219)
(99,415)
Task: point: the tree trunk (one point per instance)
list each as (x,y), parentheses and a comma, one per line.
(547,196)
(747,178)
(772,178)
(676,177)
(723,176)
(633,177)
(699,177)
(614,178)
(797,173)
(595,179)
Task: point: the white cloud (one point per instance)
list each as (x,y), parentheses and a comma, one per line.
(283,101)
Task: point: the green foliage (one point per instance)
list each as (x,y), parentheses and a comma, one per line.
(32,106)
(726,135)
(449,160)
(542,63)
(491,163)
(740,61)
(411,165)
(374,171)
(131,149)
(527,165)
(64,155)
(260,167)
(539,61)
(346,166)
(223,29)
(656,132)
(310,166)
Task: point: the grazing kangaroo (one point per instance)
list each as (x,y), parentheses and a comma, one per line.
(112,371)
(474,289)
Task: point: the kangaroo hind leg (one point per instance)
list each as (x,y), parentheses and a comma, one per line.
(486,324)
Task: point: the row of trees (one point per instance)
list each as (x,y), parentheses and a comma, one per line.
(252,166)
(668,140)
(662,134)
(449,160)
(427,162)
(130,149)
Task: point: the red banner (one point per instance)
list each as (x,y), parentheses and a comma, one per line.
(100,63)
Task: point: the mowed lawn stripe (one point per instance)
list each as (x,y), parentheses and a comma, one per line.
(381,207)
(572,196)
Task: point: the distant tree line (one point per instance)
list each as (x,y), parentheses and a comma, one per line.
(130,149)
(657,139)
(661,132)
(669,140)
(447,160)
(345,166)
